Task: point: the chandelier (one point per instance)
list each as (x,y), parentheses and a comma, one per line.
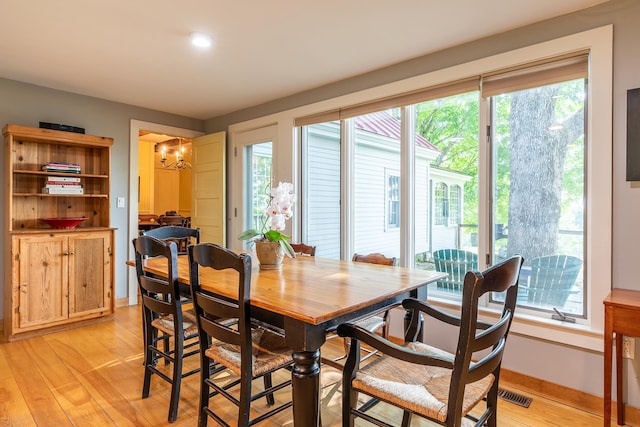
(180,162)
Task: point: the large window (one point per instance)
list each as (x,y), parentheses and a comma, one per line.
(461,134)
(537,168)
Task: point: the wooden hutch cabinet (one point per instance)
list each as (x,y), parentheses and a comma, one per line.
(56,277)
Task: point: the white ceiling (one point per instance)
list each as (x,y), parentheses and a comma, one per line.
(138,52)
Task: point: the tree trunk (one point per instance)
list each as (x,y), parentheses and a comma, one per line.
(537,157)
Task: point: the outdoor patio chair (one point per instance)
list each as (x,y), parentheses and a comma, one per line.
(552,280)
(455,262)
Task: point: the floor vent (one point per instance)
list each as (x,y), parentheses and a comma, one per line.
(516,398)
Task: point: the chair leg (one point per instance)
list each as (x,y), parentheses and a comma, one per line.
(148,361)
(348,398)
(492,405)
(176,380)
(205,369)
(244,400)
(268,383)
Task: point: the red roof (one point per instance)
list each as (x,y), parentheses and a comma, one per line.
(383,123)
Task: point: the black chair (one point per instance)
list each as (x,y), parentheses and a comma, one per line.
(420,379)
(183,236)
(246,352)
(163,318)
(373,323)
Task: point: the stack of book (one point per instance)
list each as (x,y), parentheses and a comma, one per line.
(62,185)
(61,167)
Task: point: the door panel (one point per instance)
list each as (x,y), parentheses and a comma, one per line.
(43,273)
(209,183)
(89,272)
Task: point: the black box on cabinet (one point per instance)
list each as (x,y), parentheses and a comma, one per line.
(58,126)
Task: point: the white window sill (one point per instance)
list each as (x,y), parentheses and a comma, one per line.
(572,334)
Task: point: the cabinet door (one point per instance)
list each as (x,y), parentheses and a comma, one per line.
(89,273)
(42,280)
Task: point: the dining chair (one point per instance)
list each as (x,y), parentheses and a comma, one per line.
(301,248)
(182,236)
(242,351)
(431,382)
(373,323)
(177,220)
(376,322)
(163,318)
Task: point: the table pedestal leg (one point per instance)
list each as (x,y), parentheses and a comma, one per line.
(306,388)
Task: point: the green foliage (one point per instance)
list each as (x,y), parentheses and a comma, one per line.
(451,124)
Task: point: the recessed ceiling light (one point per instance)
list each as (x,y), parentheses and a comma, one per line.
(200,39)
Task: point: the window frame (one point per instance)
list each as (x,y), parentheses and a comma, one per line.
(440,202)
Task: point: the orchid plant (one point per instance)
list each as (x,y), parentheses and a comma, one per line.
(279,209)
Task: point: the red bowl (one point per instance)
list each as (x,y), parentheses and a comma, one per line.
(63,223)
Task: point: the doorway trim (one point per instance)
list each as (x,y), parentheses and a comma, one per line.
(132,224)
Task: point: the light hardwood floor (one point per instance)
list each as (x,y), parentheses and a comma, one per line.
(92,376)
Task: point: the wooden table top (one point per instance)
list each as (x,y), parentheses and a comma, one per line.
(623,298)
(310,289)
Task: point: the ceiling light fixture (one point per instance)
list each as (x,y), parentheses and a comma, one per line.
(180,162)
(200,39)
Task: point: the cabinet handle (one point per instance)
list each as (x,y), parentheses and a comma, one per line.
(65,253)
(72,253)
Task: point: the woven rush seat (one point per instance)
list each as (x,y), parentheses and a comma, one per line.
(422,389)
(269,352)
(165,323)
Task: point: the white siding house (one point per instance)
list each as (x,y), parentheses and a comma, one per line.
(375,185)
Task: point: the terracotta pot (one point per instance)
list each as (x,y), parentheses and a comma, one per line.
(270,255)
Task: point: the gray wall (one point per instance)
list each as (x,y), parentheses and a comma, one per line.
(571,367)
(27,105)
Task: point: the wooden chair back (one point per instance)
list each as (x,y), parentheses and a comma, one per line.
(211,309)
(301,248)
(374,258)
(176,220)
(160,296)
(182,236)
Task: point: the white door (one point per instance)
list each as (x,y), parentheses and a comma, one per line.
(208,182)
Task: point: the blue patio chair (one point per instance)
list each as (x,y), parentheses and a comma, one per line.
(552,280)
(455,262)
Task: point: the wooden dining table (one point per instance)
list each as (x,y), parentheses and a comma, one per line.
(309,297)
